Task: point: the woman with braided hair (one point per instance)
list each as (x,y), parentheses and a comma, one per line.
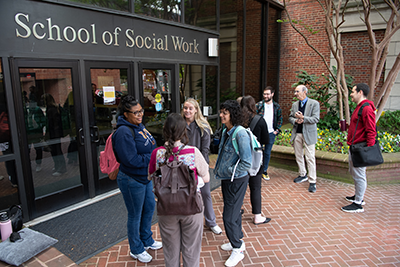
(180,233)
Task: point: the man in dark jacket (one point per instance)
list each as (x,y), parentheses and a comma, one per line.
(272,113)
(365,132)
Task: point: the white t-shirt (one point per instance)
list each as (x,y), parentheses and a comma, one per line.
(269,116)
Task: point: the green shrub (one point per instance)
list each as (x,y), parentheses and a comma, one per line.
(390,122)
(336,141)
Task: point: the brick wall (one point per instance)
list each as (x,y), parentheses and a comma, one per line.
(273,50)
(357,52)
(295,54)
(253,48)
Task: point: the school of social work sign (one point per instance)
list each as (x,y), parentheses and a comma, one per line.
(53,32)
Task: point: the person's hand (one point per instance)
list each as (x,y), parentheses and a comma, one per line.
(299,121)
(299,115)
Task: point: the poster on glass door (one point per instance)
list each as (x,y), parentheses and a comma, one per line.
(109,95)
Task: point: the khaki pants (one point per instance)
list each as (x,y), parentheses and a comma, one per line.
(181,233)
(301,149)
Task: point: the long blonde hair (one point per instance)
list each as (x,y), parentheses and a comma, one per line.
(198,116)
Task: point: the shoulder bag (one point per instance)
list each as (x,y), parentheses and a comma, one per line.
(363,155)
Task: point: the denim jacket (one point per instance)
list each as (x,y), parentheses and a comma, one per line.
(227,157)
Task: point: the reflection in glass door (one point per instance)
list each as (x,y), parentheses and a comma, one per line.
(157,100)
(8,175)
(48,106)
(108,86)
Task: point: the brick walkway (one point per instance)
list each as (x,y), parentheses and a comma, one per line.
(306,230)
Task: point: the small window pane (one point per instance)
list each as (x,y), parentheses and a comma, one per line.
(201,13)
(122,5)
(162,9)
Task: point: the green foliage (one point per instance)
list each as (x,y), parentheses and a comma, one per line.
(390,122)
(323,93)
(336,141)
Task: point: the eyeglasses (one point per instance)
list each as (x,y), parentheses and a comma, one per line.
(297,91)
(136,113)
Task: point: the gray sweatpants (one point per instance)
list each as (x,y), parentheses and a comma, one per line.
(181,234)
(359,175)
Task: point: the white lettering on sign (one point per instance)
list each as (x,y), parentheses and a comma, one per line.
(25,29)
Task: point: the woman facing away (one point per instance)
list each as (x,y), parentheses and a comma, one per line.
(260,130)
(199,133)
(180,233)
(232,169)
(133,145)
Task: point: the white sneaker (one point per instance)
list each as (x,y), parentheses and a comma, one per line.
(216,230)
(228,246)
(156,245)
(236,256)
(142,257)
(38,168)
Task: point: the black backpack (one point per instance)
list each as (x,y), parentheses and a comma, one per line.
(175,186)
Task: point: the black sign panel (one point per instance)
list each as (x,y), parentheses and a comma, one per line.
(37,27)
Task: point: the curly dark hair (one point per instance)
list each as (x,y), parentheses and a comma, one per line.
(127,102)
(248,105)
(234,109)
(174,130)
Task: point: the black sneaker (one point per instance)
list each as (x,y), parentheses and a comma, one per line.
(353,208)
(312,188)
(300,179)
(353,198)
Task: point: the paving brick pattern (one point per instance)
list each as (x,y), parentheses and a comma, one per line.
(306,230)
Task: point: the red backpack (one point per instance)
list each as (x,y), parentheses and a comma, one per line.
(108,162)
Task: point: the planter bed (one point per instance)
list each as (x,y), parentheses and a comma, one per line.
(335,166)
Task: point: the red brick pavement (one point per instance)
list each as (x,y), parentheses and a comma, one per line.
(306,229)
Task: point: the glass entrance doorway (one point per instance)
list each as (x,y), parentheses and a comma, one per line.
(48,109)
(158,98)
(47,97)
(108,86)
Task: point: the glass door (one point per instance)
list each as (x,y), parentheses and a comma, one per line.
(47,101)
(108,83)
(159,97)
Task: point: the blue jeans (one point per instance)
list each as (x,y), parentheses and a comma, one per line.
(267,151)
(140,203)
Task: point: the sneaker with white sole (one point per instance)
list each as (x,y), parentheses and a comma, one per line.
(265,176)
(236,256)
(353,208)
(142,257)
(156,245)
(216,230)
(228,246)
(353,198)
(300,179)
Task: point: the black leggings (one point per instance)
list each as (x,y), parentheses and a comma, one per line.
(255,193)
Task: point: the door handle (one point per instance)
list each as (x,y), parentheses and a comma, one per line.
(96,133)
(81,137)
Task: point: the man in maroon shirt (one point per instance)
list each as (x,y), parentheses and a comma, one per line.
(365,132)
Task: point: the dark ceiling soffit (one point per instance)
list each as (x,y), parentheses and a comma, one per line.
(272,3)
